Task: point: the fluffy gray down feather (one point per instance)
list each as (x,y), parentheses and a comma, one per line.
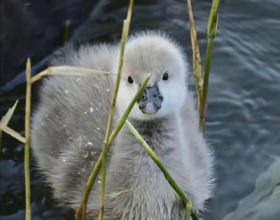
(68,130)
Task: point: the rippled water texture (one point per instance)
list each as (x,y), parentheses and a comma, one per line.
(243,118)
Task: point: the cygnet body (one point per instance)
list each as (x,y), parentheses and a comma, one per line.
(69,127)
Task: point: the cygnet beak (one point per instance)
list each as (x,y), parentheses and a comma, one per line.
(150,100)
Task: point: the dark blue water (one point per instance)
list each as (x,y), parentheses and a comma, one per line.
(243,118)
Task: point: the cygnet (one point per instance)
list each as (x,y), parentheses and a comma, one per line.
(69,126)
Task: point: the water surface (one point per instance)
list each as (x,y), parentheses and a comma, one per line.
(243,117)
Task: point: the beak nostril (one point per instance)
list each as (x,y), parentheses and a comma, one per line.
(150,100)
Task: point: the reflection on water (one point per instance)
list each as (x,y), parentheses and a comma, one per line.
(264,202)
(243,119)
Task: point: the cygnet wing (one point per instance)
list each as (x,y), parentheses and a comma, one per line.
(69,123)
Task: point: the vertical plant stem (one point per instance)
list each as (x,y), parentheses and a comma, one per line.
(98,164)
(197,66)
(109,127)
(194,215)
(166,174)
(212,32)
(205,84)
(27,138)
(88,188)
(187,213)
(112,111)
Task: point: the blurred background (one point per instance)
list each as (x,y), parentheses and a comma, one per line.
(243,117)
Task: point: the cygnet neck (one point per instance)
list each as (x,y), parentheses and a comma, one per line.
(157,133)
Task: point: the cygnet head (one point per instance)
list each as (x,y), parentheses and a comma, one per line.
(158,55)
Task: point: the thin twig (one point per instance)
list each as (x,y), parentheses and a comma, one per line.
(197,66)
(212,32)
(69,71)
(166,174)
(27,139)
(98,164)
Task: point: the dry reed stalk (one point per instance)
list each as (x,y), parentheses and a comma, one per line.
(27,139)
(13,133)
(69,71)
(197,66)
(168,177)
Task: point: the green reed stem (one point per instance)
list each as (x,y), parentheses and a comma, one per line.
(109,128)
(212,32)
(166,174)
(112,111)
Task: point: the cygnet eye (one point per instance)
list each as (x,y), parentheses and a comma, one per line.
(165,76)
(130,80)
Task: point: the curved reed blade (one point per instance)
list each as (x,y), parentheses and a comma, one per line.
(168,177)
(5,120)
(69,71)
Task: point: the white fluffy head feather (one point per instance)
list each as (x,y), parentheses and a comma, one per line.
(153,53)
